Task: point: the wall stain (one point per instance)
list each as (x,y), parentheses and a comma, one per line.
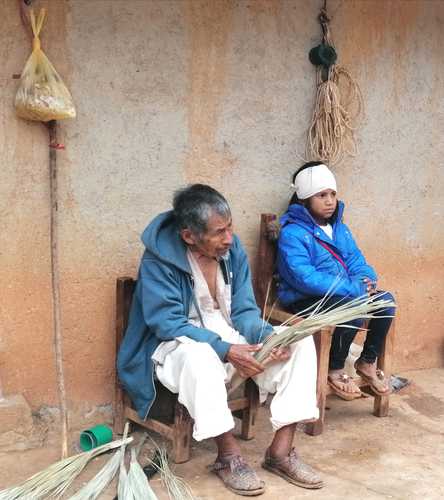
(209,29)
(365,33)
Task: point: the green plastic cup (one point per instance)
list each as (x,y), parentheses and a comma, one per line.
(96,436)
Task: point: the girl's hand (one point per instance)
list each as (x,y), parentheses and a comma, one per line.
(371,286)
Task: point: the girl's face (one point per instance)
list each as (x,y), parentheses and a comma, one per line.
(322,205)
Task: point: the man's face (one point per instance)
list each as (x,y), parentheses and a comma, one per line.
(216,241)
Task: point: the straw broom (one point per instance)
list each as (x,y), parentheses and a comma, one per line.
(56,479)
(314,320)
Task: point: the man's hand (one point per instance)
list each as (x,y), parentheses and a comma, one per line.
(241,357)
(279,354)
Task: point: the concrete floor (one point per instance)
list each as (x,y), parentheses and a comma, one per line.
(360,456)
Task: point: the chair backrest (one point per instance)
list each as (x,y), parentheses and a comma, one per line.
(265,260)
(125,287)
(266,278)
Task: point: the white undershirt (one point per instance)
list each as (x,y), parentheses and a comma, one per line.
(216,317)
(328,230)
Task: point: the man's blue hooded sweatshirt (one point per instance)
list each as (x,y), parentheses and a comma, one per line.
(161,303)
(307,269)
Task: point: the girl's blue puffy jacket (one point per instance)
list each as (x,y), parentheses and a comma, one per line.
(307,269)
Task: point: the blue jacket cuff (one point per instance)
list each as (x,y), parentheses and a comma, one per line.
(221,347)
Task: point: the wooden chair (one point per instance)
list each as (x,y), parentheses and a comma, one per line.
(265,274)
(168,417)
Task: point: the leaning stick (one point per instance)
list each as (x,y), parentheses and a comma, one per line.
(55,279)
(55,286)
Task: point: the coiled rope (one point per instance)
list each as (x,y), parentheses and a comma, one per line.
(338,105)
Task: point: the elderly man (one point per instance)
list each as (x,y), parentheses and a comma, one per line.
(194,320)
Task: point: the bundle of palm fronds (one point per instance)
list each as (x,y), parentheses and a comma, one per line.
(176,487)
(56,479)
(123,487)
(133,485)
(100,481)
(138,482)
(316,318)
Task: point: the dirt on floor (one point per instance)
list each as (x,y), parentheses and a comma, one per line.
(359,456)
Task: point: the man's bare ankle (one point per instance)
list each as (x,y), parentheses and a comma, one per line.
(227,447)
(227,456)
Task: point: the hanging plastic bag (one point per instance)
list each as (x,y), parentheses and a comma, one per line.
(42,95)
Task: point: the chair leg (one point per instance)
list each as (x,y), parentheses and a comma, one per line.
(323,342)
(118,409)
(183,430)
(121,401)
(249,414)
(381,404)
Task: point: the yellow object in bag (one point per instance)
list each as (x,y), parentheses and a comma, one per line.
(42,95)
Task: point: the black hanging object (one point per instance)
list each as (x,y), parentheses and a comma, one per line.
(323,55)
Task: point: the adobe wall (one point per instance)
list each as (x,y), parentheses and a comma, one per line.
(172,92)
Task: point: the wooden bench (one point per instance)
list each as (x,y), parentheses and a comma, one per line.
(264,275)
(168,417)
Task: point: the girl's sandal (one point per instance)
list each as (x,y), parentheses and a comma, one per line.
(378,384)
(343,379)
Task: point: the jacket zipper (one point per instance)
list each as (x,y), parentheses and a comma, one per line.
(152,370)
(155,394)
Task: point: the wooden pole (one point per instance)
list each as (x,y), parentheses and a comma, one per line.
(55,278)
(55,285)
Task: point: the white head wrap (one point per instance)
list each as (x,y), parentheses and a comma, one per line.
(313,180)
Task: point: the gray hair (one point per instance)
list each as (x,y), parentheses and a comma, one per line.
(195,204)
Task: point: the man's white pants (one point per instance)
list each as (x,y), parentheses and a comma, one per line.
(195,372)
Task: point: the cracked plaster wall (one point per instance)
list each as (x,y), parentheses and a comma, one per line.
(170,92)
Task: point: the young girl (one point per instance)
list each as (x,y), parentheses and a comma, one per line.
(317,255)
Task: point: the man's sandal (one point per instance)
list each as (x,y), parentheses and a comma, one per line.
(238,476)
(293,470)
(377,383)
(343,379)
